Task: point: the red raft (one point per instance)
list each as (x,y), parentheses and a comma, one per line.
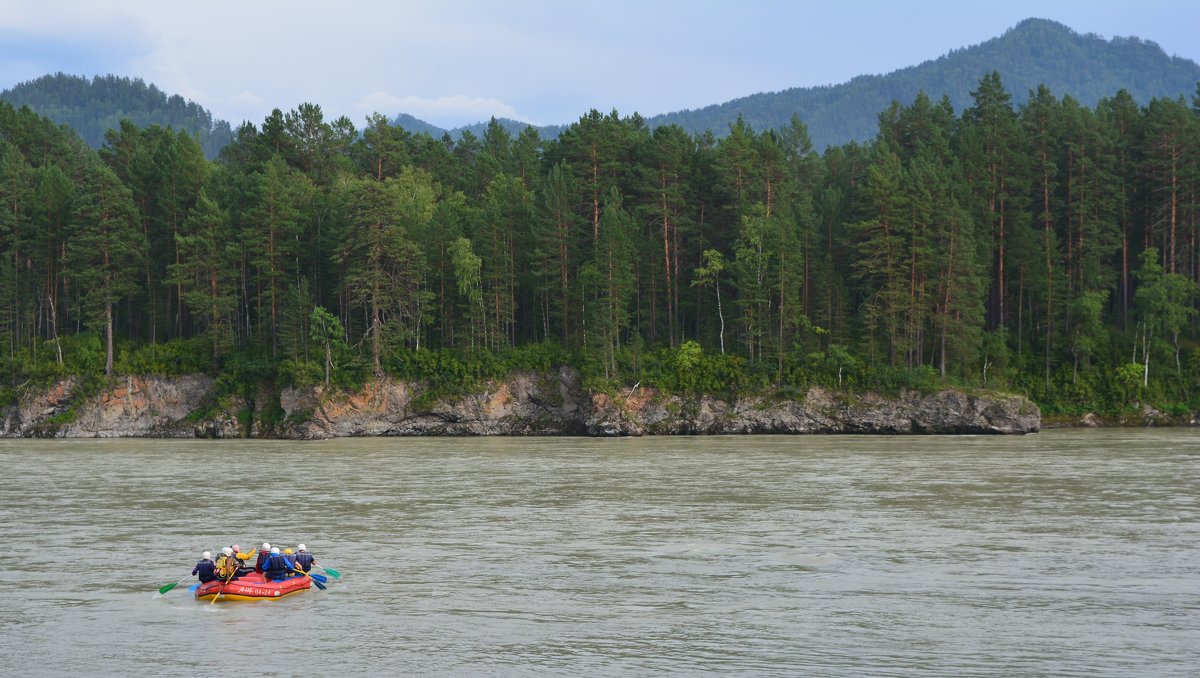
(252,586)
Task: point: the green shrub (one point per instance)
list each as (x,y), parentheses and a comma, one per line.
(299,373)
(689,369)
(172,358)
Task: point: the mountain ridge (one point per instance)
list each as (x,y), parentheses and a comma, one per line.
(1032,52)
(955,74)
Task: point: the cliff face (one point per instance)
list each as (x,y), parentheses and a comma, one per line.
(135,407)
(525,404)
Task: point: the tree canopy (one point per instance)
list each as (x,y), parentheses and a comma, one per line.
(1042,248)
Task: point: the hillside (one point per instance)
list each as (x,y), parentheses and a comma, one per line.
(1035,51)
(91,107)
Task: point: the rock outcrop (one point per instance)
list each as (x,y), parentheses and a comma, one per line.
(552,403)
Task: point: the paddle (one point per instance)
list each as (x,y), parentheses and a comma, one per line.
(319,577)
(330,571)
(193,587)
(311,578)
(231,576)
(168,587)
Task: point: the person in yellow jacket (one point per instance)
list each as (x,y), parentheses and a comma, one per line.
(227,564)
(243,568)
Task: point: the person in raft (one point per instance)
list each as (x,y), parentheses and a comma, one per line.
(260,564)
(291,561)
(304,559)
(278,566)
(227,565)
(205,569)
(243,568)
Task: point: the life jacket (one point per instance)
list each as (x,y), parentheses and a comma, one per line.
(305,560)
(205,570)
(277,567)
(260,564)
(226,566)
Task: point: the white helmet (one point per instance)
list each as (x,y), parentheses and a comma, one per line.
(266,546)
(299,547)
(227,551)
(275,549)
(206,556)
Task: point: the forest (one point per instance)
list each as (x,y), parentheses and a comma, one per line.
(92,107)
(1048,249)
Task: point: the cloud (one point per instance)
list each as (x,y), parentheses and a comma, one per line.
(452,110)
(247,98)
(245,105)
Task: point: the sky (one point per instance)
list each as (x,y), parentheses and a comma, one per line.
(454,62)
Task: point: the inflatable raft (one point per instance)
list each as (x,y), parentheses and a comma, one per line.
(252,586)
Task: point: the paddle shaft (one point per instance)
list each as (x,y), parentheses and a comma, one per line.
(314,581)
(231,576)
(168,587)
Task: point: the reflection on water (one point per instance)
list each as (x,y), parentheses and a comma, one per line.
(1064,553)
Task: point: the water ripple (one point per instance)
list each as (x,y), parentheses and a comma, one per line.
(1069,553)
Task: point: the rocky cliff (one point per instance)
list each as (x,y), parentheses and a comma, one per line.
(525,404)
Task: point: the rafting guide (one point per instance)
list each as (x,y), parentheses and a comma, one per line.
(304,559)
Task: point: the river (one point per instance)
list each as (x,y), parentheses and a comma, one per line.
(1067,553)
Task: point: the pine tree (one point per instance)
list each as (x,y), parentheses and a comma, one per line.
(508,210)
(559,245)
(16,189)
(383,269)
(383,149)
(274,238)
(879,245)
(664,169)
(1041,120)
(1171,146)
(105,251)
(992,147)
(1122,119)
(614,263)
(207,271)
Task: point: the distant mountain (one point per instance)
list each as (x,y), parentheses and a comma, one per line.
(94,106)
(514,127)
(1032,53)
(1035,51)
(415,126)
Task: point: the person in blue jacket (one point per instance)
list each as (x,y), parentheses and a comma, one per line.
(206,569)
(278,566)
(304,559)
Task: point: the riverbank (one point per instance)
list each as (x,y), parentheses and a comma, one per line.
(1145,416)
(527,403)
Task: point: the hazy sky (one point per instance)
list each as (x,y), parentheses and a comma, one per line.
(453,63)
